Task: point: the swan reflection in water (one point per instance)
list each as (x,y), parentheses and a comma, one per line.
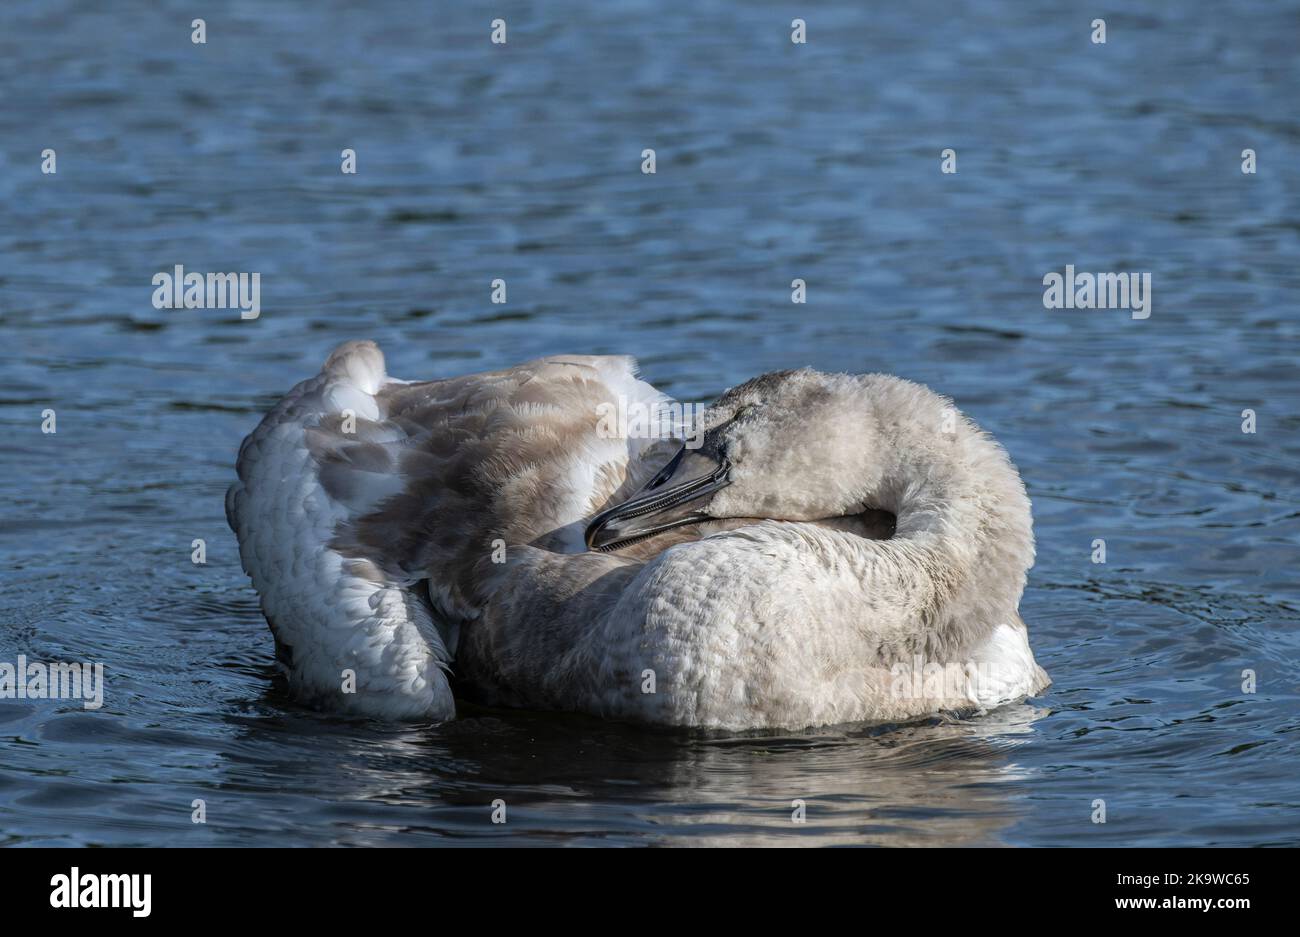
(569,778)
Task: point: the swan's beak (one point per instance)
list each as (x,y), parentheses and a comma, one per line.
(670,500)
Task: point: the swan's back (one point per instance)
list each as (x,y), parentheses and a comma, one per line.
(356,489)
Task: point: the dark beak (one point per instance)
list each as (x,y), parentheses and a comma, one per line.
(663,504)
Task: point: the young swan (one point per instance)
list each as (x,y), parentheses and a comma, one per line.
(801,616)
(840,548)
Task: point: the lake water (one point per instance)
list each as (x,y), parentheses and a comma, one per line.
(775,161)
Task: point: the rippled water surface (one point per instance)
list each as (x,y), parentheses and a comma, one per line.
(775,161)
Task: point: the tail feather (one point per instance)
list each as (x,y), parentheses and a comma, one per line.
(358,638)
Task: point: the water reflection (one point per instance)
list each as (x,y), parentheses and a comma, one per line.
(564,778)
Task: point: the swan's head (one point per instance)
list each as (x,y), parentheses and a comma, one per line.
(790,445)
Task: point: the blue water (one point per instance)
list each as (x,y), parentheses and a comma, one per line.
(775,161)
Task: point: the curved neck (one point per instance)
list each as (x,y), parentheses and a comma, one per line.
(963,539)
